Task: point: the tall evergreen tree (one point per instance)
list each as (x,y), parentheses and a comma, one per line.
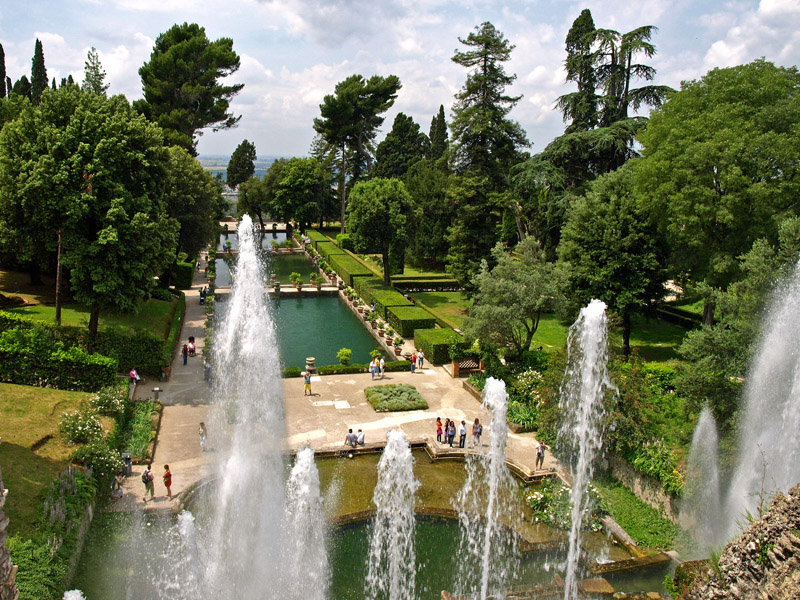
(438,135)
(8,85)
(38,73)
(22,88)
(53,84)
(580,106)
(2,72)
(404,145)
(242,164)
(93,74)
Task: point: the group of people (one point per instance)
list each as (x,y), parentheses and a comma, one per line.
(354,439)
(448,430)
(377,367)
(417,360)
(189,349)
(149,487)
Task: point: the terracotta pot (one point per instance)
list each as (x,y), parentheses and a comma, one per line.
(389,340)
(374,325)
(398,350)
(380,332)
(360,309)
(319,287)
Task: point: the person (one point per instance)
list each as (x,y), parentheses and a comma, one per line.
(462,434)
(413,361)
(203,432)
(192,350)
(185,353)
(206,271)
(420,359)
(203,295)
(307,382)
(147,480)
(372,368)
(360,438)
(439,429)
(134,375)
(540,455)
(116,486)
(477,430)
(372,308)
(382,365)
(350,439)
(168,481)
(451,432)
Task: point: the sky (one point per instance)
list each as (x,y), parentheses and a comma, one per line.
(293,52)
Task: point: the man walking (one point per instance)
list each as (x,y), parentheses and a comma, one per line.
(462,435)
(147,480)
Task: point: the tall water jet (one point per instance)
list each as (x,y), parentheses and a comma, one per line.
(581,402)
(306,556)
(769,446)
(392,560)
(703,501)
(487,545)
(245,529)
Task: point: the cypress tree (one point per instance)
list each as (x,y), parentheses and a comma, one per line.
(2,72)
(8,85)
(38,73)
(438,134)
(53,84)
(22,87)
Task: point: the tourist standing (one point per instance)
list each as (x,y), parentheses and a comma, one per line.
(203,432)
(147,480)
(185,353)
(477,430)
(540,455)
(413,361)
(168,481)
(420,359)
(451,433)
(462,434)
(382,366)
(307,382)
(439,429)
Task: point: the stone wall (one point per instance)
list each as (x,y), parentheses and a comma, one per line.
(764,562)
(648,490)
(8,571)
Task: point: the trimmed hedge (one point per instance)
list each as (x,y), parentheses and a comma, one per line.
(289,372)
(174,333)
(184,273)
(328,248)
(384,299)
(363,284)
(33,357)
(348,267)
(435,343)
(429,277)
(395,397)
(407,319)
(316,237)
(391,366)
(428,285)
(343,241)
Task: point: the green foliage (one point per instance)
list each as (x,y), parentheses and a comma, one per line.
(184,273)
(344,355)
(316,237)
(435,343)
(524,400)
(427,182)
(327,248)
(302,191)
(41,570)
(403,146)
(181,84)
(343,241)
(93,74)
(386,298)
(644,523)
(242,164)
(407,319)
(288,372)
(38,74)
(162,294)
(395,397)
(102,460)
(349,268)
(80,427)
(550,504)
(295,278)
(140,431)
(656,460)
(110,400)
(478,380)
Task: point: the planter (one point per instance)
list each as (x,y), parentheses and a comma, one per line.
(389,340)
(380,332)
(398,350)
(360,309)
(299,288)
(374,325)
(319,287)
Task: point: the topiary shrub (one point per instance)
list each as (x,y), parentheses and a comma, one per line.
(161,294)
(344,242)
(394,398)
(184,273)
(435,343)
(385,299)
(344,355)
(407,319)
(348,267)
(289,372)
(342,369)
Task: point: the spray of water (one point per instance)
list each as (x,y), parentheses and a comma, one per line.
(769,447)
(581,402)
(392,560)
(702,515)
(487,549)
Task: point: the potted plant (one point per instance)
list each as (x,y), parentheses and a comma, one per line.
(360,306)
(398,345)
(381,328)
(313,280)
(389,336)
(295,279)
(372,318)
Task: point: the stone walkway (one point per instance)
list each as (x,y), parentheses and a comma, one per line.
(320,421)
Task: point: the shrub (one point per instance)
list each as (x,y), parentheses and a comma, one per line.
(478,380)
(102,460)
(435,343)
(289,372)
(343,241)
(342,369)
(161,294)
(550,504)
(328,249)
(316,237)
(407,319)
(656,460)
(384,299)
(363,284)
(395,397)
(80,427)
(184,273)
(348,267)
(140,431)
(110,400)
(344,355)
(426,285)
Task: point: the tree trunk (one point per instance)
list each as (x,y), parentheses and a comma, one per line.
(708,313)
(520,229)
(58,281)
(94,321)
(626,334)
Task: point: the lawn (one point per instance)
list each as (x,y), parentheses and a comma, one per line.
(32,452)
(450,306)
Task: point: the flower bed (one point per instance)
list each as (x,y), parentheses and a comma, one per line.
(395,397)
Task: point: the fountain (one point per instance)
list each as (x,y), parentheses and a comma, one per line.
(487,547)
(392,561)
(703,504)
(581,401)
(769,447)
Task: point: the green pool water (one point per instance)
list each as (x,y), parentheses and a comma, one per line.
(284,265)
(266,240)
(319,327)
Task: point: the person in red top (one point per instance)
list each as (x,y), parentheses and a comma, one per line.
(167,481)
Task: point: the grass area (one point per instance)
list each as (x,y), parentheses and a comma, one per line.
(551,334)
(643,522)
(32,452)
(451,306)
(689,304)
(154,316)
(654,339)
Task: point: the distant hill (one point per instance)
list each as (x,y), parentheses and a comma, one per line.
(218,163)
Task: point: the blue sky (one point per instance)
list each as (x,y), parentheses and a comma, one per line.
(293,52)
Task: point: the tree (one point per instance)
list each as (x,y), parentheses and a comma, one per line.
(403,146)
(181,84)
(484,139)
(349,122)
(3,73)
(38,73)
(613,250)
(431,214)
(242,164)
(377,218)
(191,195)
(301,191)
(22,88)
(438,135)
(93,74)
(580,106)
(511,297)
(95,172)
(721,167)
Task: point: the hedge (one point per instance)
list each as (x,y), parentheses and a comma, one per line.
(363,284)
(33,357)
(316,237)
(435,343)
(429,277)
(385,299)
(184,273)
(348,267)
(291,372)
(328,248)
(407,319)
(174,332)
(343,241)
(428,285)
(391,366)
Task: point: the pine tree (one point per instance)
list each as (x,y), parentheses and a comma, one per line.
(22,87)
(38,74)
(2,72)
(438,135)
(580,106)
(93,74)
(53,84)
